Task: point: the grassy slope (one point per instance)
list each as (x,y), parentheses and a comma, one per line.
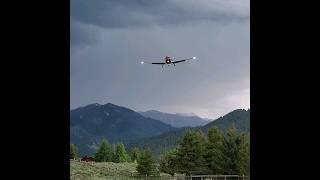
(104,170)
(109,170)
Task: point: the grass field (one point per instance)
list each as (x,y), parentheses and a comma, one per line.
(105,170)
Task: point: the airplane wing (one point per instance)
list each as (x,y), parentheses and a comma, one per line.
(182,60)
(142,62)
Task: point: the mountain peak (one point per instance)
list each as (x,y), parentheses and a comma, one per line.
(102,105)
(154,111)
(98,104)
(110,104)
(239,117)
(87,106)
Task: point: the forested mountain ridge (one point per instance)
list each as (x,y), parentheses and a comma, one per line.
(91,123)
(239,118)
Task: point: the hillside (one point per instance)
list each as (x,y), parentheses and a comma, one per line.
(106,171)
(176,120)
(91,123)
(240,118)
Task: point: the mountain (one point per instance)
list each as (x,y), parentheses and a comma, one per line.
(187,114)
(176,120)
(239,118)
(91,123)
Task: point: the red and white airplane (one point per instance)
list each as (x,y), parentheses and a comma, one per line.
(169,60)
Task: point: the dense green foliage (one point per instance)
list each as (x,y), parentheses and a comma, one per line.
(168,162)
(73,151)
(134,154)
(104,153)
(120,154)
(218,153)
(235,153)
(213,153)
(239,118)
(191,151)
(147,164)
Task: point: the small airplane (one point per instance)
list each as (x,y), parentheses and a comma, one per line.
(169,60)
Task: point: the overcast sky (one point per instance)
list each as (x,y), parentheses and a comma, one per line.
(109,39)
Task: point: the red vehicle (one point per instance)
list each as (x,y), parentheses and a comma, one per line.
(87,159)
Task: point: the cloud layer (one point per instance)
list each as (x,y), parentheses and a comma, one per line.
(139,13)
(110,38)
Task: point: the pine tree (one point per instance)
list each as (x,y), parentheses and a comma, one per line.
(73,151)
(128,158)
(146,164)
(120,154)
(168,162)
(235,153)
(104,153)
(244,160)
(213,155)
(191,152)
(134,154)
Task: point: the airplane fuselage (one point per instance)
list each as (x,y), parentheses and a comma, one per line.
(168,60)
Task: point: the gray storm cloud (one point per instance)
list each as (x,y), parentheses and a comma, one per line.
(137,13)
(110,38)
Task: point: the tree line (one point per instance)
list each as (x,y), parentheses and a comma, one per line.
(217,152)
(147,164)
(108,153)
